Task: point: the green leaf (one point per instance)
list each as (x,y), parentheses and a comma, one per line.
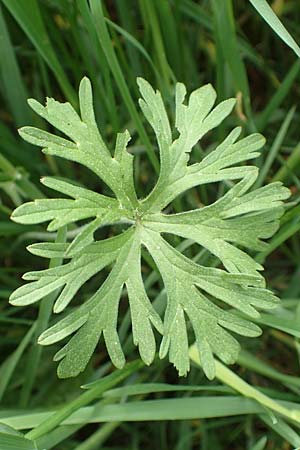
(202,296)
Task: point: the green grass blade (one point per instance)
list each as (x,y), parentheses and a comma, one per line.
(20,179)
(289,166)
(14,87)
(266,12)
(275,148)
(8,367)
(106,106)
(283,429)
(186,408)
(133,43)
(15,442)
(280,94)
(116,70)
(150,388)
(28,15)
(251,362)
(170,22)
(96,440)
(260,445)
(285,232)
(287,325)
(128,23)
(225,26)
(55,437)
(10,147)
(158,44)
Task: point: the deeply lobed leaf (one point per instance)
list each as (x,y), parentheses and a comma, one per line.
(238,221)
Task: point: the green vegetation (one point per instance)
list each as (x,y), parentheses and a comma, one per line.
(158,226)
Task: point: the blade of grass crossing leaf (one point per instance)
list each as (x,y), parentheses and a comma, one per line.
(44,314)
(15,91)
(266,12)
(116,70)
(28,16)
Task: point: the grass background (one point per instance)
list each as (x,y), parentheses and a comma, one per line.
(46,46)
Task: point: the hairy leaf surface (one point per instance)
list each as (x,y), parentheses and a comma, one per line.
(204,297)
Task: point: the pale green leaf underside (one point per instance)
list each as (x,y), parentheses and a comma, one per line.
(240,220)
